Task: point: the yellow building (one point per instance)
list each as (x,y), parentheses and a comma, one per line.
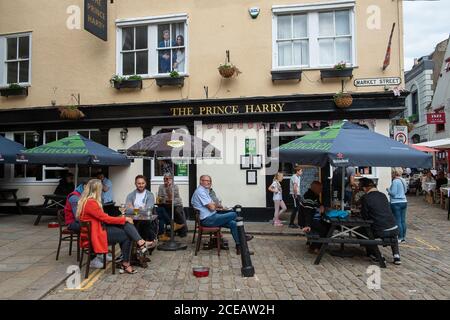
(286,51)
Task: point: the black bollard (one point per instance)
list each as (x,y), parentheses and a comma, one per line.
(247,268)
(238,209)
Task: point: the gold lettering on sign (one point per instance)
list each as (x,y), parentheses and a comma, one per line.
(230,109)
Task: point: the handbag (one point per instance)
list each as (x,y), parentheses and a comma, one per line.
(337,214)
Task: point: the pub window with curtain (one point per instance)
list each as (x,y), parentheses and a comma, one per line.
(15,59)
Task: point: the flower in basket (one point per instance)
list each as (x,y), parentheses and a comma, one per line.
(71,113)
(227,70)
(340,66)
(343,99)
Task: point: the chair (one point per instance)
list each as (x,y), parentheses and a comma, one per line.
(66,235)
(85,232)
(213,232)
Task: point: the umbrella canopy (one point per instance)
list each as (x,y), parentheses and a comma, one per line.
(347,144)
(9,150)
(75,150)
(423,148)
(173,145)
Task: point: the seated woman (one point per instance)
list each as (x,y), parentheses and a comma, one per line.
(105,229)
(66,185)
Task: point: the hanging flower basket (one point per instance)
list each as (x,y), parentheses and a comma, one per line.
(227,70)
(343,100)
(71,113)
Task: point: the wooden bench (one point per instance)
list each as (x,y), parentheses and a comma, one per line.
(10,196)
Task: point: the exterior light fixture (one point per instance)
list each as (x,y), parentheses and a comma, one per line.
(36,137)
(123,134)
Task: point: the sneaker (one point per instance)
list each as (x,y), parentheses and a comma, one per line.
(96,263)
(163,237)
(375,259)
(403,241)
(293,226)
(399,241)
(397,261)
(109,257)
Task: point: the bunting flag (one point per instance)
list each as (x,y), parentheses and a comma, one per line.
(259,126)
(298,125)
(289,124)
(240,125)
(250,125)
(230,126)
(219,126)
(387,58)
(210,126)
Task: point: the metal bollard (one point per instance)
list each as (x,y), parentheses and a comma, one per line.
(238,209)
(247,268)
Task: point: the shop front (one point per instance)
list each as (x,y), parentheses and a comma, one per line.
(244,129)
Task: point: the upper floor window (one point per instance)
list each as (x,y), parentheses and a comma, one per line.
(308,37)
(415,106)
(15,59)
(152,46)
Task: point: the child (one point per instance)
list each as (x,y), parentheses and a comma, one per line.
(275,187)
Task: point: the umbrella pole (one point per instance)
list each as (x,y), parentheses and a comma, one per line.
(76,175)
(343,188)
(172,221)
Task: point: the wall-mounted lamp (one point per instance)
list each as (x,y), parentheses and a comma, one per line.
(124,134)
(36,137)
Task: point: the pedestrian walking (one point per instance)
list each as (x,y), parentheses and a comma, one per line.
(275,187)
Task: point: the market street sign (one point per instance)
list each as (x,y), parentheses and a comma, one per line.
(401,134)
(373,82)
(436,118)
(96,18)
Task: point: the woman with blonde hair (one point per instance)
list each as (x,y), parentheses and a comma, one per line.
(105,229)
(275,187)
(397,194)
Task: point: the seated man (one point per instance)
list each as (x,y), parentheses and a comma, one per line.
(209,217)
(107,193)
(65,185)
(70,208)
(312,209)
(375,206)
(165,196)
(144,200)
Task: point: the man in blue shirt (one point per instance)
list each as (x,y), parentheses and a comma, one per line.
(107,193)
(209,217)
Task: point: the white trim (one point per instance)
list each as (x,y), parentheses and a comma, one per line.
(179,17)
(3,56)
(293,8)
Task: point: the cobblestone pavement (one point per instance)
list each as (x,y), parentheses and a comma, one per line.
(284,268)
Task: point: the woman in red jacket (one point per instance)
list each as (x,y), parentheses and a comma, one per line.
(106,229)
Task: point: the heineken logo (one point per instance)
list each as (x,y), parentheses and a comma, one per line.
(21,158)
(175,143)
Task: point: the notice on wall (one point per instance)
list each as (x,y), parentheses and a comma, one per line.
(374,82)
(401,134)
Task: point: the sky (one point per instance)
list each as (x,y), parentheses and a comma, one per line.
(426,23)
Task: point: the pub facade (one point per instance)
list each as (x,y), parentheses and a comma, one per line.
(140,68)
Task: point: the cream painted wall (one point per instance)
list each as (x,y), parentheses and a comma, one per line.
(73,61)
(34,191)
(384,174)
(229,181)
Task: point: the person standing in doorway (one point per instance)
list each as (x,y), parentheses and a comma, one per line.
(278,202)
(295,192)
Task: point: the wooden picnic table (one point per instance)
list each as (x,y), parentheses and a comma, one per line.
(51,201)
(349,232)
(10,196)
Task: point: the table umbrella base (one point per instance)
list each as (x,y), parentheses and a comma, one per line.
(172,245)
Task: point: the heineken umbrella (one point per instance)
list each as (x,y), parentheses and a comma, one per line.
(347,144)
(9,150)
(173,146)
(73,150)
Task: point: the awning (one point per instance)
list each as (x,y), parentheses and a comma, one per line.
(423,148)
(438,144)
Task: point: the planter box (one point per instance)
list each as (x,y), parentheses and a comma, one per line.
(287,75)
(170,81)
(6,92)
(128,84)
(333,73)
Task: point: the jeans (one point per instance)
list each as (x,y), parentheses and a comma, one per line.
(399,211)
(117,234)
(163,218)
(74,226)
(226,220)
(383,234)
(348,194)
(296,211)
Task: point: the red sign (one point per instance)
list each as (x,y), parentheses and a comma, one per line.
(436,118)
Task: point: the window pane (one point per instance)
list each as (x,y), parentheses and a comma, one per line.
(12,72)
(178,60)
(178,34)
(96,136)
(54,174)
(127,38)
(164,65)
(32,171)
(19,171)
(342,23)
(162,167)
(164,36)
(63,134)
(326,27)
(326,52)
(141,37)
(24,47)
(84,134)
(142,62)
(12,49)
(284,53)
(29,140)
(284,27)
(2,171)
(128,63)
(19,137)
(24,66)
(343,49)
(300,26)
(50,137)
(301,52)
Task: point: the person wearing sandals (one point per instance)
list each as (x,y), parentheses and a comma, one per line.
(275,187)
(106,229)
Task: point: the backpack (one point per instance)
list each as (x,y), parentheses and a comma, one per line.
(337,214)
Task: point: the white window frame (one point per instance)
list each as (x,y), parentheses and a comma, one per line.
(152,44)
(44,167)
(135,51)
(3,61)
(312,11)
(160,179)
(9,168)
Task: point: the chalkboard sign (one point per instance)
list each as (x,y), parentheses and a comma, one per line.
(309,175)
(96,18)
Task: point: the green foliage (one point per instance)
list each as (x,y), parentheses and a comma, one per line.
(14,86)
(340,66)
(174,74)
(119,79)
